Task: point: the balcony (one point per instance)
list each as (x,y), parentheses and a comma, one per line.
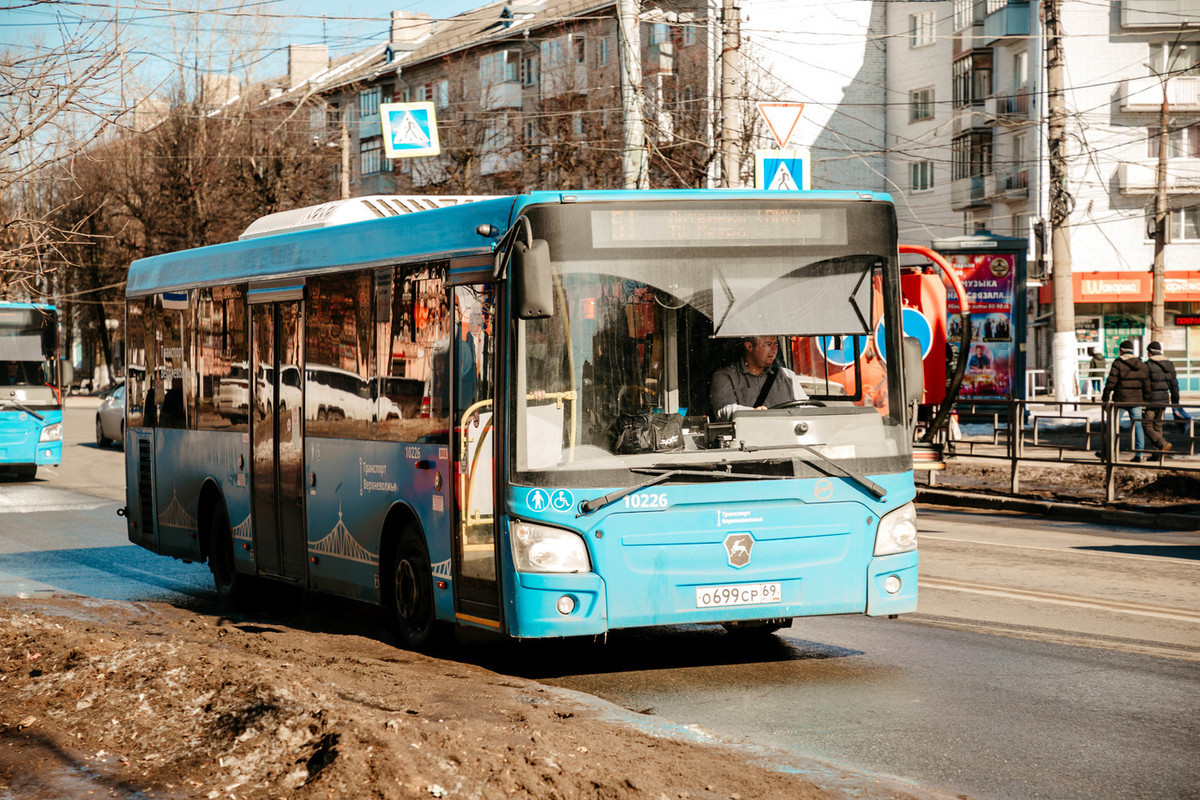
(1145,94)
(1007,186)
(968,118)
(501,95)
(968,193)
(1160,13)
(1141,177)
(1009,109)
(1010,20)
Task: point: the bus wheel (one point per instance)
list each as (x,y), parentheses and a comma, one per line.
(233,587)
(409,596)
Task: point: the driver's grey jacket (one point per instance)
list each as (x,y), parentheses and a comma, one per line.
(735,389)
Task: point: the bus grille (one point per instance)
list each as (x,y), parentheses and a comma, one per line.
(145,490)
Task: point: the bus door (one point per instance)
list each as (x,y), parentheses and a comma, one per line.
(477,595)
(276,430)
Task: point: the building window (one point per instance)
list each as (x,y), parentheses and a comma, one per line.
(442,93)
(1183,142)
(552,53)
(973,79)
(498,67)
(602,51)
(920,104)
(368,103)
(920,29)
(1020,225)
(529,71)
(531,132)
(659,32)
(497,135)
(1174,57)
(971,156)
(689,35)
(425,93)
(371,155)
(920,176)
(579,48)
(1183,224)
(964,14)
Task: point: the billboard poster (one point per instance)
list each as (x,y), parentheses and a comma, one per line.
(989,281)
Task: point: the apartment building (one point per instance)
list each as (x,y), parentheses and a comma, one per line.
(969,146)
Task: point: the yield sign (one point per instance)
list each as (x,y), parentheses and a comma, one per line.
(781,119)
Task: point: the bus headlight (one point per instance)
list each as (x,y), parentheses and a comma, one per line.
(897,531)
(537,548)
(51,433)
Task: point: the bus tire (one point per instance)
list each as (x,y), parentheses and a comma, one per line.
(233,588)
(408,596)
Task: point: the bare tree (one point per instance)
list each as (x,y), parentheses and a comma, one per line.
(57,100)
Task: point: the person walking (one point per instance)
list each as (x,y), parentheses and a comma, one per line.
(1096,369)
(1128,383)
(1164,391)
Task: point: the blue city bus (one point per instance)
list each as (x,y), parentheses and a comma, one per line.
(30,388)
(495,412)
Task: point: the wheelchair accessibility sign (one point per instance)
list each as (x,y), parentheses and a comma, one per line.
(409,129)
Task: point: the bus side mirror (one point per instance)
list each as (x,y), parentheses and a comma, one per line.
(533,284)
(66,372)
(914,370)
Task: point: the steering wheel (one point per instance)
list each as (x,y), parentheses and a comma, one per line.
(799,404)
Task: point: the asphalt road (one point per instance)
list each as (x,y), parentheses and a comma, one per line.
(1048,658)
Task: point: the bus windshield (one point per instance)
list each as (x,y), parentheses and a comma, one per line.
(27,344)
(748,342)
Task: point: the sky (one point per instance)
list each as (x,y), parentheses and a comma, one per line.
(344,25)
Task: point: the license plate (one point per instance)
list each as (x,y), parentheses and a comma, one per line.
(738,594)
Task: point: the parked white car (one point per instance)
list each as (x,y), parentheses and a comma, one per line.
(232,399)
(110,419)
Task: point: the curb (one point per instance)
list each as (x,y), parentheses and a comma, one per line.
(1165,520)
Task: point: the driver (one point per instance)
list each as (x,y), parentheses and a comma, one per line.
(740,386)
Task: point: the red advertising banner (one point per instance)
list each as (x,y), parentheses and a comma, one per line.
(988,279)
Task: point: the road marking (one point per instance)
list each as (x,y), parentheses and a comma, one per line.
(1071,549)
(1162,612)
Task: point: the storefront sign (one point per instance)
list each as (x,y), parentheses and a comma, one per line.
(1193,319)
(1126,287)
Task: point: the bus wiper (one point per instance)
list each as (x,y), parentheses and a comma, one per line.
(664,473)
(588,506)
(23,407)
(829,464)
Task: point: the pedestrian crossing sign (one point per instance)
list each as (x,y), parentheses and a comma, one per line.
(409,129)
(781,170)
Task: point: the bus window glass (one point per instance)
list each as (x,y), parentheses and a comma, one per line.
(173,382)
(412,398)
(647,351)
(135,362)
(339,354)
(224,381)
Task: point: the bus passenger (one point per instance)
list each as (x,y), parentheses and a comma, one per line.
(753,381)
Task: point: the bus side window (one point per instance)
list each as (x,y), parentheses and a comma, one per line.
(414,351)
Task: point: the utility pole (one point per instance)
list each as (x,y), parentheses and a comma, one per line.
(1065,355)
(633,154)
(730,81)
(1158,291)
(1158,288)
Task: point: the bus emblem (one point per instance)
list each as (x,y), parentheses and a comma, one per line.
(738,546)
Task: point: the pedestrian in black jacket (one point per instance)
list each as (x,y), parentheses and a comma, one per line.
(1164,391)
(1129,382)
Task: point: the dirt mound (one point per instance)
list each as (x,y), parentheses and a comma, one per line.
(148,700)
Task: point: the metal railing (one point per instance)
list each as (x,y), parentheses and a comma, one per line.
(1082,432)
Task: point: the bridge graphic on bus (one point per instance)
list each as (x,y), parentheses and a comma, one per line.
(176,516)
(340,543)
(243,531)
